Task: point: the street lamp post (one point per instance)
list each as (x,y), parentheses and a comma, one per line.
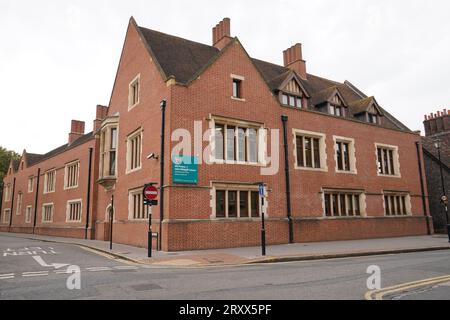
(444,199)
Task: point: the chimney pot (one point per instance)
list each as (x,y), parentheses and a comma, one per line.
(221,33)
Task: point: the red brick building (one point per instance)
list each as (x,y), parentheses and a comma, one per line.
(336,165)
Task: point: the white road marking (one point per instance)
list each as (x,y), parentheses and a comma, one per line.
(98,269)
(126,268)
(6,276)
(35,274)
(44,264)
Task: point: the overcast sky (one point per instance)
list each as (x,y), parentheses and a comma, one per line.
(58,58)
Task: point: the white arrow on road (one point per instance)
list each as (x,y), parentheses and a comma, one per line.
(44,264)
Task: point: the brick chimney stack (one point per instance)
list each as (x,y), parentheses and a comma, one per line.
(437,124)
(100,115)
(221,34)
(76,130)
(293,59)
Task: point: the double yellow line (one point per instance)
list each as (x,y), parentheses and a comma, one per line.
(379,294)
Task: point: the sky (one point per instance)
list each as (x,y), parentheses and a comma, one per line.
(58,59)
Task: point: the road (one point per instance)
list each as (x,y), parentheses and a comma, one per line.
(24,277)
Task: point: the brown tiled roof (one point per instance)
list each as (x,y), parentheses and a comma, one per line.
(323,95)
(33,158)
(185,60)
(359,106)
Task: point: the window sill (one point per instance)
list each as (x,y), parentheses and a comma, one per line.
(231,162)
(133,170)
(398,176)
(69,188)
(133,106)
(346,172)
(237,99)
(311,169)
(49,192)
(246,219)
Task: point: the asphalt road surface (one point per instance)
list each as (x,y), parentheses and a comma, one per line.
(24,276)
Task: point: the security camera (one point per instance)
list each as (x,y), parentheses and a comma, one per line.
(152,156)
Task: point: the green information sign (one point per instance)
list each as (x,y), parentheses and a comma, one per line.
(185,169)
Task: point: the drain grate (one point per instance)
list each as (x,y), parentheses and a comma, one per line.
(146,287)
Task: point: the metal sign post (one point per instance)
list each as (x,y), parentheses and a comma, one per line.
(149,195)
(263,227)
(111,220)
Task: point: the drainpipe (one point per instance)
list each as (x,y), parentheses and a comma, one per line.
(422,188)
(36,199)
(161,174)
(12,205)
(284,119)
(88,196)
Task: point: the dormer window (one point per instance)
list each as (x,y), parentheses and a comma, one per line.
(291,100)
(372,118)
(336,107)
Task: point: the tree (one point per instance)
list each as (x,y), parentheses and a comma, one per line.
(5,159)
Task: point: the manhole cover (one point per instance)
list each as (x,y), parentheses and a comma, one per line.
(146,287)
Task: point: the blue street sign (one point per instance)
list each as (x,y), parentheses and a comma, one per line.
(261,190)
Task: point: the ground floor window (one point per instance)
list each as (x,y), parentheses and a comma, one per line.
(28,214)
(47,212)
(136,208)
(6,215)
(396,204)
(74,211)
(237,203)
(342,203)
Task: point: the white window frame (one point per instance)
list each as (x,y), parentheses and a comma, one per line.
(362,203)
(8,193)
(66,174)
(28,213)
(131,85)
(80,201)
(396,160)
(43,212)
(322,149)
(237,187)
(30,184)
(131,194)
(19,203)
(130,137)
(46,178)
(6,212)
(260,140)
(241,79)
(397,194)
(351,154)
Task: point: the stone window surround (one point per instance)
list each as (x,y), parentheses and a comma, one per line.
(105,145)
(322,149)
(261,140)
(30,187)
(80,201)
(131,193)
(46,178)
(136,80)
(396,160)
(241,79)
(362,202)
(28,217)
(352,154)
(19,203)
(6,213)
(407,203)
(235,187)
(43,212)
(131,136)
(66,170)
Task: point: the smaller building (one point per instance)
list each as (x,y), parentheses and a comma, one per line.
(437,127)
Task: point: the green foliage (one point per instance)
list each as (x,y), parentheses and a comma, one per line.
(5,159)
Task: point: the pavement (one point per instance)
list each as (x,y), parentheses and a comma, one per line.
(252,255)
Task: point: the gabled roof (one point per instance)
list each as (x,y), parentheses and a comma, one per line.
(363,105)
(185,60)
(326,95)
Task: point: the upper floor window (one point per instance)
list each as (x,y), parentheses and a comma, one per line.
(236,143)
(8,192)
(30,184)
(134,90)
(291,100)
(237,88)
(71,175)
(396,204)
(50,181)
(343,203)
(310,150)
(387,160)
(134,150)
(108,149)
(19,203)
(345,154)
(372,118)
(336,107)
(28,214)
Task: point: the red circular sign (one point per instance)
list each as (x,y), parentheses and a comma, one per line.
(150,192)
